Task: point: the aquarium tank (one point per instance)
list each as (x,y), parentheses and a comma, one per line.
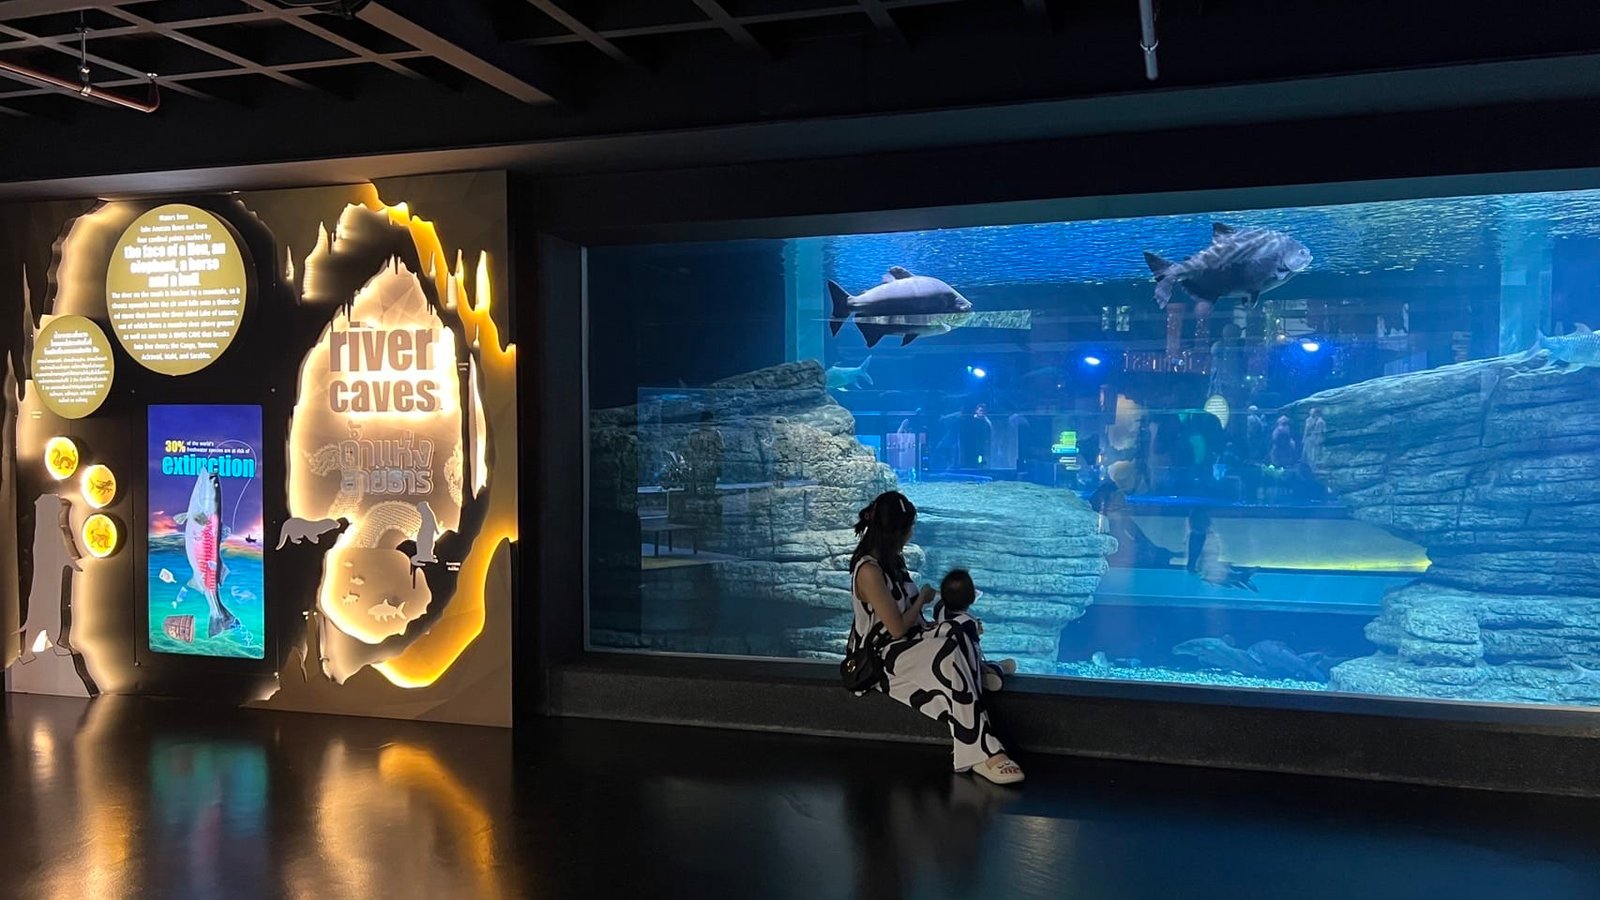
(1348,448)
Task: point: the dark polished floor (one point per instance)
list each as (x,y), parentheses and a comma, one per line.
(128,798)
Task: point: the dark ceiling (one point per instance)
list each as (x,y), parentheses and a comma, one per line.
(260,81)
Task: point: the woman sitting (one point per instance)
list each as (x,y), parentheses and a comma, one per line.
(926,668)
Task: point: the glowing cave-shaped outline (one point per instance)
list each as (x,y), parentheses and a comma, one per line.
(492,372)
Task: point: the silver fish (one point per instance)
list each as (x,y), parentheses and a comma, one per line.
(203,535)
(844,378)
(1241,262)
(1580,348)
(905,304)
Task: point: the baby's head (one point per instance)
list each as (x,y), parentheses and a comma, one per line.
(956,591)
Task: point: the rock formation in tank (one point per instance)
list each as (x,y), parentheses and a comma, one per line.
(771,576)
(774,536)
(1494,467)
(1036,554)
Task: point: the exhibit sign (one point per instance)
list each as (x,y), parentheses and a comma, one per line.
(379,424)
(71,366)
(204,570)
(176,289)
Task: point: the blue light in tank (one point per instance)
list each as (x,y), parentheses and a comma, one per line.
(977,372)
(1310,346)
(1091,360)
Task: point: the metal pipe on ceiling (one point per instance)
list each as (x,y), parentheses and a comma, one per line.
(86,91)
(1147,37)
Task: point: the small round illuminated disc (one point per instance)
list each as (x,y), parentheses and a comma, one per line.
(100,536)
(61,458)
(72,366)
(99,486)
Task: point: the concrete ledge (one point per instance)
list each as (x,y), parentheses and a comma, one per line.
(1534,751)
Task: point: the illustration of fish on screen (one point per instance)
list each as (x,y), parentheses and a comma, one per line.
(203,570)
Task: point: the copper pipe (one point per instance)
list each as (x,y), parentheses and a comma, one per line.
(86,91)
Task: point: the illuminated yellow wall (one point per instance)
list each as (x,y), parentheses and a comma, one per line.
(453,661)
(445,653)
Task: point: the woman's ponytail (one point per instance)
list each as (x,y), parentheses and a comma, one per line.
(882,526)
(864,518)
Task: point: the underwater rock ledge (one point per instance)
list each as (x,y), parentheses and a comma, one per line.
(1036,553)
(778,530)
(781,586)
(1493,466)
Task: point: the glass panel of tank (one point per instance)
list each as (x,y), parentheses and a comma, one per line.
(1344,448)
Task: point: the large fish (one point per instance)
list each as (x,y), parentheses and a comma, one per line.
(1282,661)
(905,304)
(202,541)
(1219,653)
(1241,262)
(1580,348)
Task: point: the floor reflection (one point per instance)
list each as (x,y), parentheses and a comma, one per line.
(914,834)
(121,797)
(209,805)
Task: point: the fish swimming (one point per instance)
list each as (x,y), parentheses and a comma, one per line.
(905,304)
(1581,348)
(1241,262)
(844,378)
(1219,653)
(202,542)
(1279,659)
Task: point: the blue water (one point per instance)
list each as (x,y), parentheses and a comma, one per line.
(1350,239)
(241,593)
(1072,378)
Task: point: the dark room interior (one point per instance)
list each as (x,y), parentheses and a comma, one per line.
(460,448)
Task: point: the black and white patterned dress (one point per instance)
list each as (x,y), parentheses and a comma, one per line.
(929,669)
(967,626)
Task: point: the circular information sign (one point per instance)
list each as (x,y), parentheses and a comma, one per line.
(72,366)
(176,289)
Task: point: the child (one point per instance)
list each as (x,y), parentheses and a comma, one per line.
(956,595)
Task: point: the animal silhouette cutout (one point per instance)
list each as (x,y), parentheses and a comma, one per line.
(384,612)
(427,533)
(297,530)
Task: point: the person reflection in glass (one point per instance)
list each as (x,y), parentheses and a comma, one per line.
(704,449)
(977,436)
(1134,548)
